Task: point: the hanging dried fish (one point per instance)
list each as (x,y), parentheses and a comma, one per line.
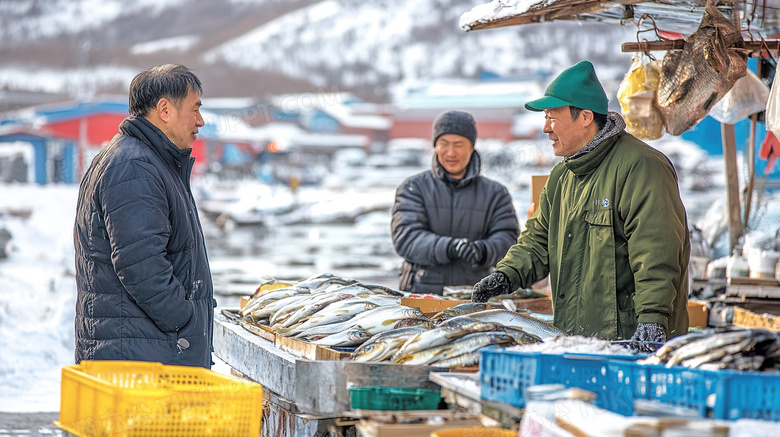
(694,79)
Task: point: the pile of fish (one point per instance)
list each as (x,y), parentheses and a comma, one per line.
(716,349)
(340,312)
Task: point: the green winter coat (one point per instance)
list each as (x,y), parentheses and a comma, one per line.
(612,233)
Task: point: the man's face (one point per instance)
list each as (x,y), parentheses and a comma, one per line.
(568,136)
(454,153)
(184,121)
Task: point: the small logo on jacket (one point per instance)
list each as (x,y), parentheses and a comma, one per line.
(605,203)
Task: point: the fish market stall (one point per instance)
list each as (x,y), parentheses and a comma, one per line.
(314,344)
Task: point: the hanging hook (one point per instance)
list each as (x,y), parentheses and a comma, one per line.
(646,52)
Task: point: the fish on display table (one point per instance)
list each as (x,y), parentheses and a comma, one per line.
(516,320)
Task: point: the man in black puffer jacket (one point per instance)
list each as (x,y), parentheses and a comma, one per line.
(450,224)
(142,273)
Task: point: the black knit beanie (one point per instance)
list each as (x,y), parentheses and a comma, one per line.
(455,122)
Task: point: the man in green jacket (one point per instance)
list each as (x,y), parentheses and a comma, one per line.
(610,230)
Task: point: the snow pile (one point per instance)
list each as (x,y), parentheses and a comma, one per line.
(37,296)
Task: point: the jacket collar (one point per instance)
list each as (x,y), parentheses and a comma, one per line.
(584,164)
(152,136)
(472,171)
(590,156)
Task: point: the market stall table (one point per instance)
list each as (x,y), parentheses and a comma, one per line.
(317,389)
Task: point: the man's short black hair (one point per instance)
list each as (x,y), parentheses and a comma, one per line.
(164,81)
(599,119)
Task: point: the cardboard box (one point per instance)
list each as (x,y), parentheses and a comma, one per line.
(381,426)
(697,314)
(430,306)
(537,183)
(542,305)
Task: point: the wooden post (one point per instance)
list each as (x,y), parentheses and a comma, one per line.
(732,183)
(751,169)
(751,163)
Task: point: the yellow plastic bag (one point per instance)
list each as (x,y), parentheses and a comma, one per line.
(636,95)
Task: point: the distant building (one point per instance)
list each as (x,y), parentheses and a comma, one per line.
(497,106)
(80,128)
(28,155)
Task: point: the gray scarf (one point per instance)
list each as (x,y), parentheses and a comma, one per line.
(614,126)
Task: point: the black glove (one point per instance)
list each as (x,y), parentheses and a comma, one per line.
(473,252)
(493,285)
(653,332)
(455,246)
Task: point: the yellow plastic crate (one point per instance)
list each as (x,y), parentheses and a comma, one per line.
(141,399)
(474,432)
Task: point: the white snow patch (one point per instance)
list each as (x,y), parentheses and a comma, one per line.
(177,43)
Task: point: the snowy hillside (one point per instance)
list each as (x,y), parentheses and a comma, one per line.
(261,47)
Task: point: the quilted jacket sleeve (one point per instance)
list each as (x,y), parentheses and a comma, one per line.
(527,262)
(136,209)
(412,236)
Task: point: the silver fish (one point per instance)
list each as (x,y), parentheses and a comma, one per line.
(439,336)
(466,344)
(310,306)
(705,345)
(464,360)
(374,321)
(383,290)
(414,322)
(663,352)
(516,320)
(322,281)
(262,300)
(351,337)
(272,307)
(333,313)
(718,353)
(384,345)
(458,310)
(476,341)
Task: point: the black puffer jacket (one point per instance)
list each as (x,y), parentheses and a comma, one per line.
(431,209)
(144,284)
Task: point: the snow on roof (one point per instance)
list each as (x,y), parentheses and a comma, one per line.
(225,127)
(216,104)
(229,127)
(329,140)
(496,10)
(345,117)
(457,93)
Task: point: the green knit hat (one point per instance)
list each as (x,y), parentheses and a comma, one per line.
(576,86)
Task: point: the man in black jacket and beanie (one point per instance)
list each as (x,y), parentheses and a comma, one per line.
(142,273)
(450,224)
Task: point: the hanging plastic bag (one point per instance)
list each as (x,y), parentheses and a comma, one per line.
(773,108)
(636,95)
(748,96)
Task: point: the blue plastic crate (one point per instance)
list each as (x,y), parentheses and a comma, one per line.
(728,395)
(505,376)
(618,381)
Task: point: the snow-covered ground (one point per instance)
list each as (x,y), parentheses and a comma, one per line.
(37,296)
